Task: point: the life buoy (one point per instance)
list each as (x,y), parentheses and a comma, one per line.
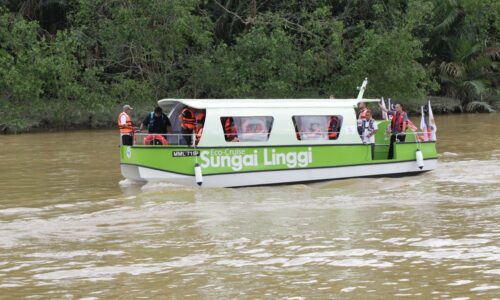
(155,139)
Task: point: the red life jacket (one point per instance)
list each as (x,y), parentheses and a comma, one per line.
(229,130)
(127,128)
(187,118)
(200,117)
(333,128)
(400,120)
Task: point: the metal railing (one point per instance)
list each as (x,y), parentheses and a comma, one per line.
(162,140)
(179,139)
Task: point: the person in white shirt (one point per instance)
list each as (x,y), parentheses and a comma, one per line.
(370,128)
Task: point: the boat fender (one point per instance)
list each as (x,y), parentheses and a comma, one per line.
(197,174)
(420,159)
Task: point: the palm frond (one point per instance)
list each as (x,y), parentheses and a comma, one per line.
(479,106)
(476,88)
(452,69)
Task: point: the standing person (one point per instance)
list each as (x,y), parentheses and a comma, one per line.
(199,123)
(362,110)
(157,122)
(126,126)
(361,117)
(370,128)
(398,126)
(188,120)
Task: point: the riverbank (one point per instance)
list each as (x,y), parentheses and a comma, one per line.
(52,120)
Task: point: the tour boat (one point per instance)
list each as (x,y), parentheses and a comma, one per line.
(249,142)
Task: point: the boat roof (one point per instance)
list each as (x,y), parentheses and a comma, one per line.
(265,103)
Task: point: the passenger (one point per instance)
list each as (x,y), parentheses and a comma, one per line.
(362,116)
(314,132)
(200,122)
(230,133)
(126,126)
(333,128)
(362,110)
(157,122)
(188,120)
(370,128)
(398,126)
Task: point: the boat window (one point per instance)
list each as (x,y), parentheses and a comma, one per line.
(317,127)
(246,129)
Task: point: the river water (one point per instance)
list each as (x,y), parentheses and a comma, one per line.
(72,228)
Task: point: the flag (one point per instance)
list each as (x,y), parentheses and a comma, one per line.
(432,124)
(412,126)
(384,113)
(423,125)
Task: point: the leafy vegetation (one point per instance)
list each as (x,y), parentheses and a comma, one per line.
(73,63)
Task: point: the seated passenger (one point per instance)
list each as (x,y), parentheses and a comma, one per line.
(254,129)
(333,128)
(314,132)
(230,133)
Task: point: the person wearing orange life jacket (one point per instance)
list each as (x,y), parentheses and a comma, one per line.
(199,123)
(230,133)
(398,126)
(362,110)
(362,116)
(333,128)
(126,126)
(188,120)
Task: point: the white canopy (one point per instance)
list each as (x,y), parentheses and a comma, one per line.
(265,103)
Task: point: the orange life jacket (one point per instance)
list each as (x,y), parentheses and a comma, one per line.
(229,130)
(200,117)
(187,118)
(333,128)
(128,127)
(399,122)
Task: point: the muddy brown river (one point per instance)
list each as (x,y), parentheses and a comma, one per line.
(72,228)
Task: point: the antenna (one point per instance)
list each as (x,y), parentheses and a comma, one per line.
(362,89)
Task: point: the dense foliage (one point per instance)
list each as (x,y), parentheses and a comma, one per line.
(67,63)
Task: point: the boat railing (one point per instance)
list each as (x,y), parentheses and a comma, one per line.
(159,140)
(179,139)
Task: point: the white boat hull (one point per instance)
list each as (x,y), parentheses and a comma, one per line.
(280,176)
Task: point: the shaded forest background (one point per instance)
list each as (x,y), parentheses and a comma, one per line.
(71,63)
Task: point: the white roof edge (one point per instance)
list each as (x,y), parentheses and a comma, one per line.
(266,103)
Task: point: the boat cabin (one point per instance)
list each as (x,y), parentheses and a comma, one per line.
(266,122)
